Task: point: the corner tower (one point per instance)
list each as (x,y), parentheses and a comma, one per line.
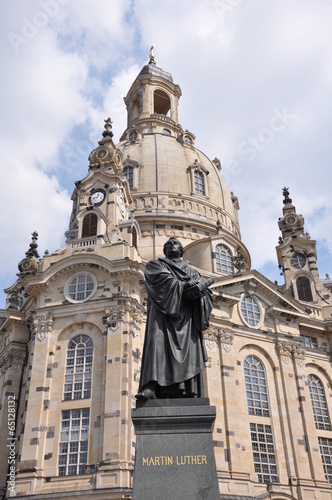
(297,258)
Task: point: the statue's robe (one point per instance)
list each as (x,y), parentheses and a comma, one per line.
(174,351)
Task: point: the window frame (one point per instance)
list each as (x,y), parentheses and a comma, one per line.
(258,389)
(263,450)
(134,165)
(197,167)
(77,369)
(199,182)
(228,259)
(325,448)
(130,177)
(295,278)
(89,216)
(245,320)
(319,403)
(66,457)
(70,281)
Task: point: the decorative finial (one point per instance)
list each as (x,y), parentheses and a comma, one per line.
(239,260)
(32,252)
(151,56)
(30,263)
(285,192)
(108,128)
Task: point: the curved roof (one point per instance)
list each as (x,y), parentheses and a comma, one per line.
(165,167)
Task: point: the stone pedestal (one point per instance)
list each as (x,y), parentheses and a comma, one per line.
(174,450)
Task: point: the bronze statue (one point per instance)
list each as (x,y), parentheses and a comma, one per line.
(179,306)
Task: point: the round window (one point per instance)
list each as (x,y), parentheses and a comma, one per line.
(298,260)
(80,287)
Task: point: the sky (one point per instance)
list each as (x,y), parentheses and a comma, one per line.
(256,79)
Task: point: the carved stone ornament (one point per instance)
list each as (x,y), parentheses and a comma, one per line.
(284,350)
(112,317)
(137,317)
(226,339)
(299,354)
(210,338)
(28,466)
(239,261)
(136,320)
(41,326)
(12,358)
(30,263)
(3,343)
(288,349)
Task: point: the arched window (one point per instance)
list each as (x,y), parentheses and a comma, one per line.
(199,182)
(255,387)
(89,227)
(133,136)
(134,237)
(162,102)
(79,368)
(304,289)
(224,261)
(128,172)
(136,107)
(318,402)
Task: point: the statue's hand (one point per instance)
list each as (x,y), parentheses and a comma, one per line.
(191,283)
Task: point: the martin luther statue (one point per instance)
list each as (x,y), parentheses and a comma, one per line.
(179,306)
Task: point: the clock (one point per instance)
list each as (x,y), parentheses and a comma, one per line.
(290,220)
(97,197)
(101,153)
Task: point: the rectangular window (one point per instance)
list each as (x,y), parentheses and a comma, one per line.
(263,453)
(199,182)
(73,445)
(325,446)
(309,342)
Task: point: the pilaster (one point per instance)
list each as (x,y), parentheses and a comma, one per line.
(291,359)
(32,457)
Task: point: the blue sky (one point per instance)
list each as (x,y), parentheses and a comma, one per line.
(256,82)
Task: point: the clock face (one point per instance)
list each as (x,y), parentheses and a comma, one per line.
(290,220)
(97,197)
(101,153)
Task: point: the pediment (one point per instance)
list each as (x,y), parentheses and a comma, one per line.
(277,302)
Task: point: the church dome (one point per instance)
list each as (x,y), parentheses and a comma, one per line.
(176,189)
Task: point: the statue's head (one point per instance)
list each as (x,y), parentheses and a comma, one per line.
(171,245)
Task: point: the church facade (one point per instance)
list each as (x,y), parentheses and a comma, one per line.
(72,332)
